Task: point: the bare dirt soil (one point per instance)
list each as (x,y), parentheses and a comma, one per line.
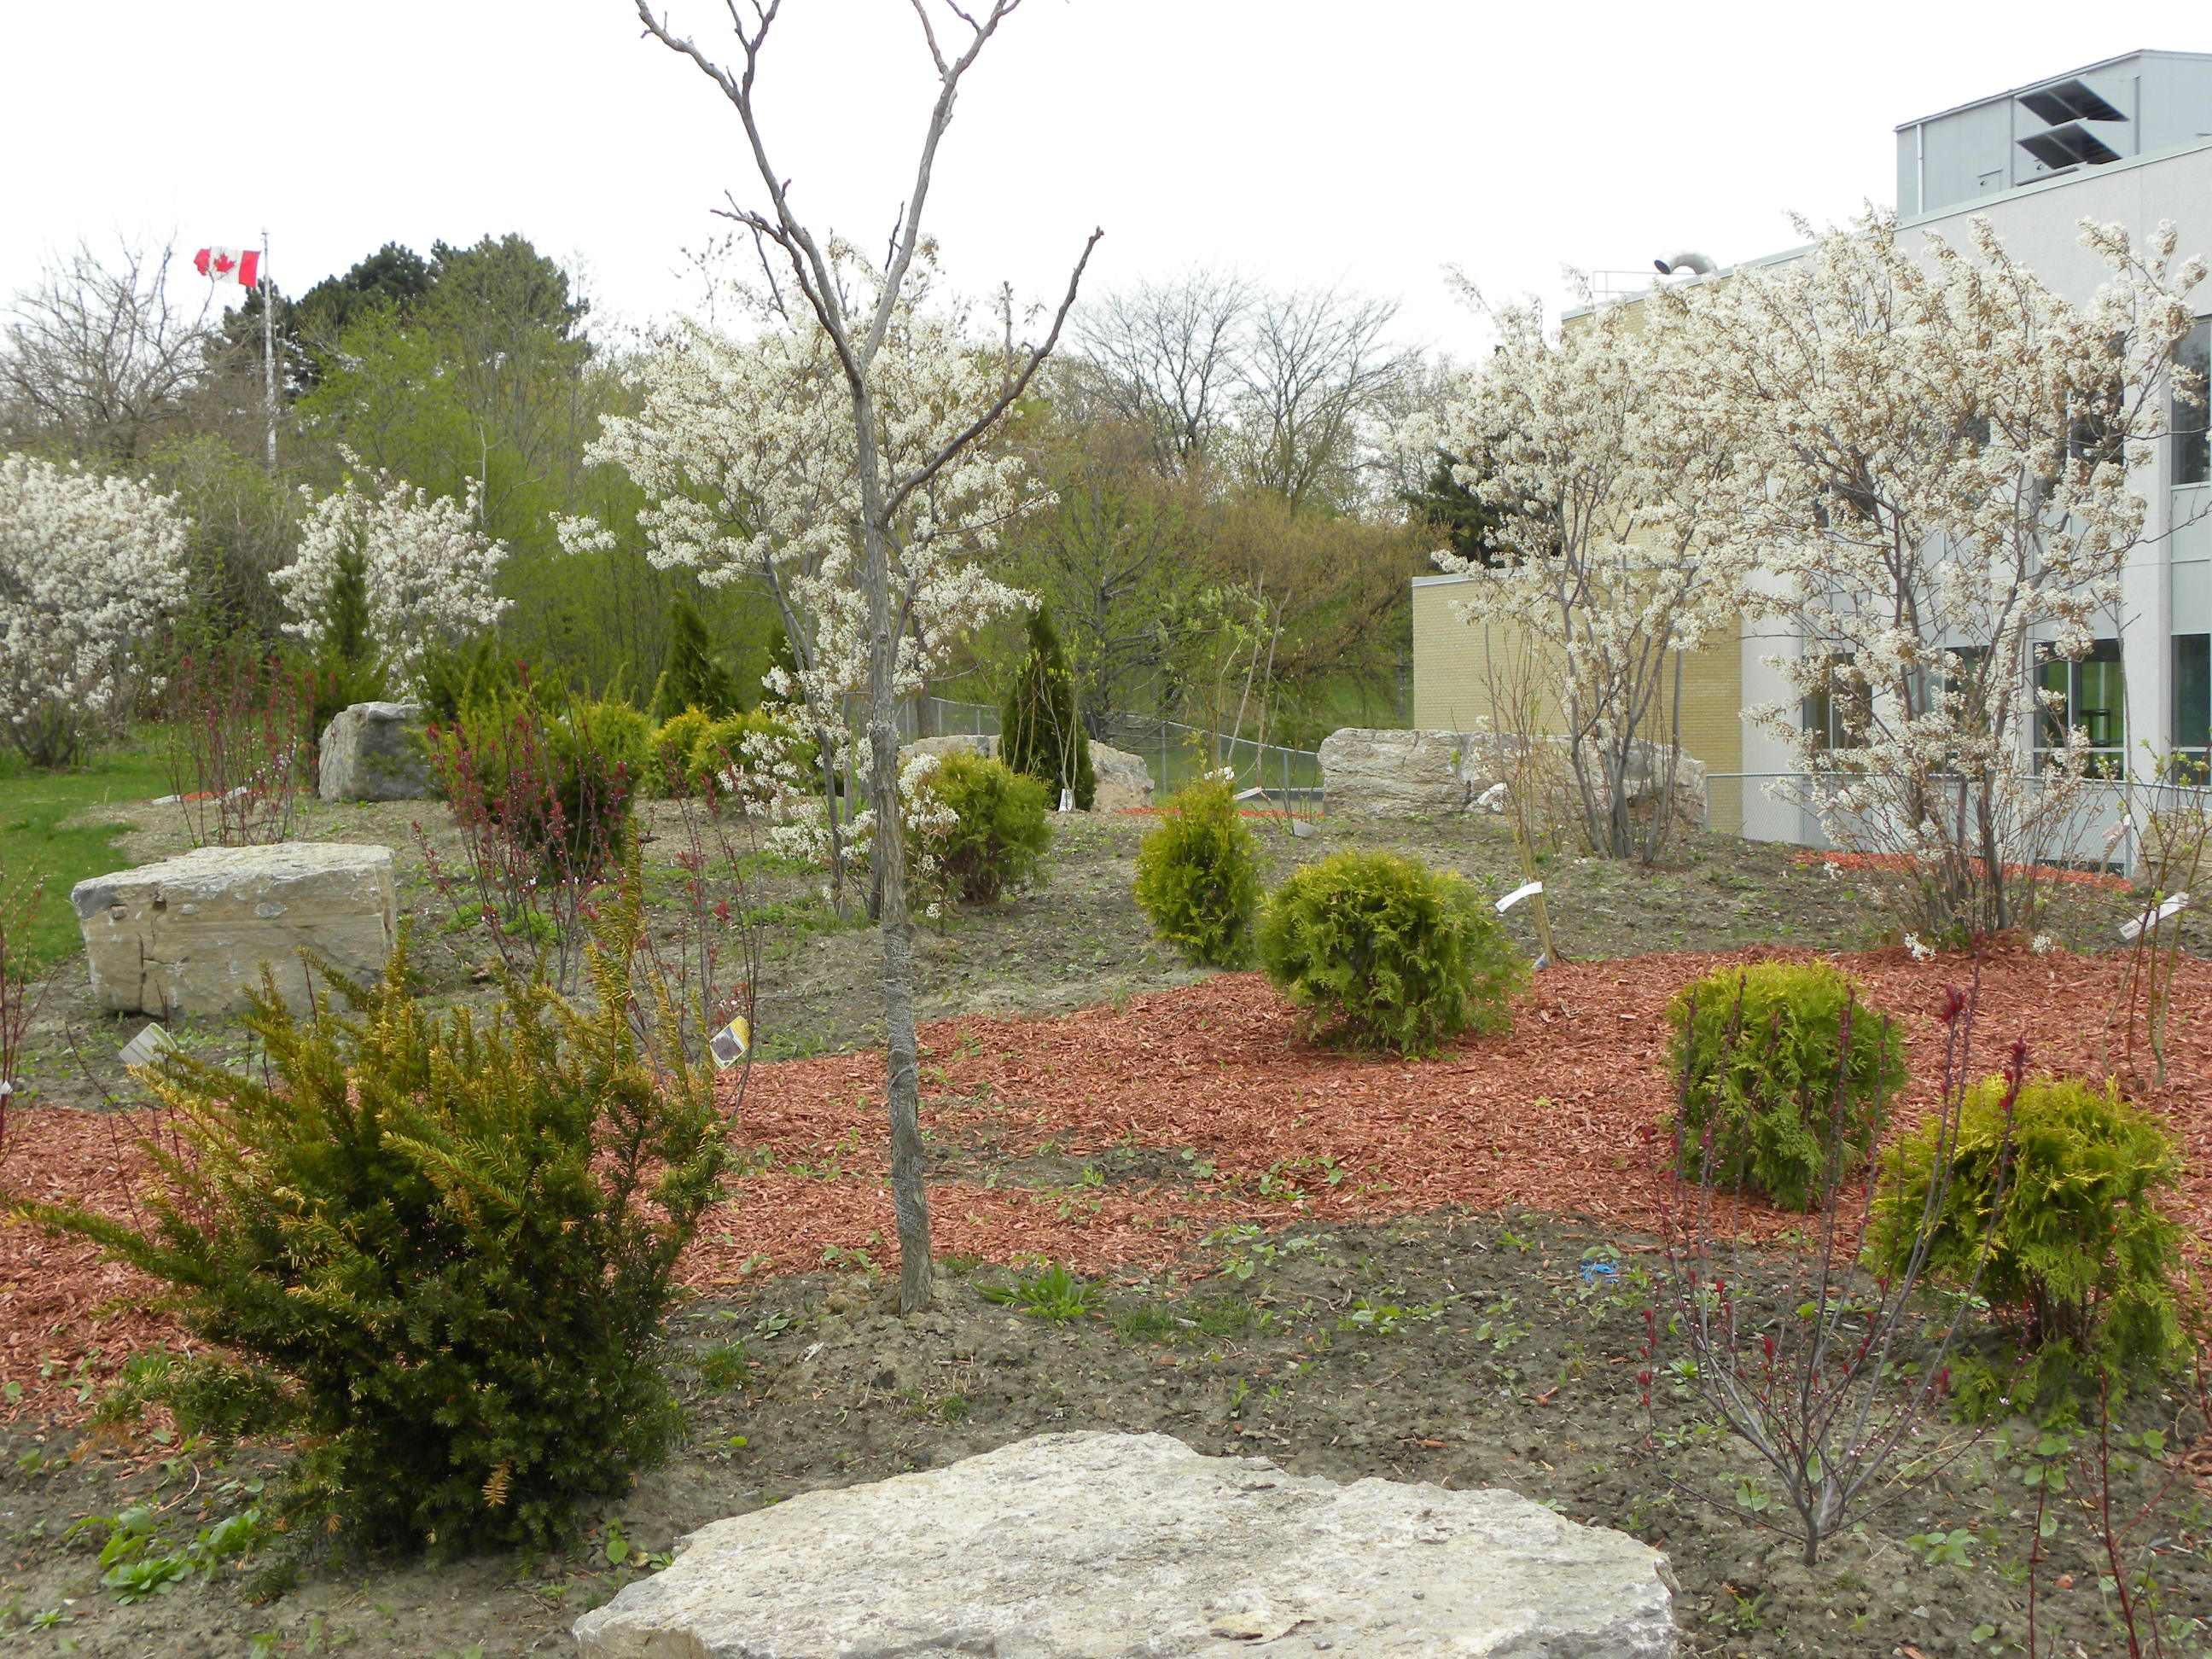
(1464,1351)
(1437,1344)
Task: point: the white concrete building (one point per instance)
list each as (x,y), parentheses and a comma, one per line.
(2128,140)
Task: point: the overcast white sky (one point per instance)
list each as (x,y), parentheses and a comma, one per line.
(1368,143)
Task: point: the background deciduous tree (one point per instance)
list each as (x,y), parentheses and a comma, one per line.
(97,361)
(1930,452)
(1589,444)
(91,569)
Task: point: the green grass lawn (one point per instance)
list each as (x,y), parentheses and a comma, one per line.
(35,848)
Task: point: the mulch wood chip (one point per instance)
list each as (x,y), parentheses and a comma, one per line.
(1562,1114)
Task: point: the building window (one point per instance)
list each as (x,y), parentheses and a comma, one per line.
(1936,691)
(2089,692)
(1837,713)
(2192,696)
(2192,445)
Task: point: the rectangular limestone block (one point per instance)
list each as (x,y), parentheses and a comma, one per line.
(192,934)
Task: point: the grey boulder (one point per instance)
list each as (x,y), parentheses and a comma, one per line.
(1124,780)
(1134,1546)
(375,751)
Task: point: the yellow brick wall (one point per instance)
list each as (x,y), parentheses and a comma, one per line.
(1451,689)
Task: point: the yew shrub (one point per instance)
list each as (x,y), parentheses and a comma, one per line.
(453,1240)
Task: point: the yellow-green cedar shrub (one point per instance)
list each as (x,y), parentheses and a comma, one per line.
(668,763)
(2052,1215)
(1766,1086)
(1000,834)
(1197,876)
(1380,951)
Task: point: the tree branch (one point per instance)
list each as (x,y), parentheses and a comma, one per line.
(1006,398)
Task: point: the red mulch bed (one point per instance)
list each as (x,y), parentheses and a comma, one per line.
(1899,863)
(1560,1115)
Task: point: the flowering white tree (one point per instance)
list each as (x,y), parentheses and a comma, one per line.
(745,451)
(91,569)
(1931,452)
(429,570)
(898,455)
(1589,446)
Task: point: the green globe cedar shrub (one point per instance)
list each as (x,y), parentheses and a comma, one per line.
(1379,952)
(690,678)
(1197,876)
(998,833)
(1040,730)
(2051,1214)
(668,757)
(1767,1084)
(453,1240)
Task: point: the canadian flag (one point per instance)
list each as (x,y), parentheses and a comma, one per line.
(229,265)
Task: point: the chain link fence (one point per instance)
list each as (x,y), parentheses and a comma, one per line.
(1172,752)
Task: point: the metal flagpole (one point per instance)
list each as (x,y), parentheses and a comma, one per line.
(268,348)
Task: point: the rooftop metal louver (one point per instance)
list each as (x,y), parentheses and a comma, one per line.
(2070,146)
(2069,100)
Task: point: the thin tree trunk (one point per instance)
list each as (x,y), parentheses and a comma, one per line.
(902,1083)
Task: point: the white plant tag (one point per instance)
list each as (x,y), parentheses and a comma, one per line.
(732,1043)
(2133,929)
(142,1049)
(1527,889)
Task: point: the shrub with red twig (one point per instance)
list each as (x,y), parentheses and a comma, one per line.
(1833,1373)
(238,751)
(543,812)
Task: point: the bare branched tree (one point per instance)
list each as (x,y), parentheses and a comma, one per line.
(857,337)
(1168,358)
(1317,372)
(99,357)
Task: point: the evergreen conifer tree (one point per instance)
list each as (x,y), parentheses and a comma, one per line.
(1040,731)
(346,668)
(689,675)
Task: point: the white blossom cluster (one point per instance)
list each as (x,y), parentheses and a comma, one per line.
(1935,458)
(91,567)
(1584,443)
(431,571)
(746,452)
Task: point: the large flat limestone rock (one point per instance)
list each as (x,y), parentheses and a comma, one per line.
(191,935)
(1087,1545)
(1377,774)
